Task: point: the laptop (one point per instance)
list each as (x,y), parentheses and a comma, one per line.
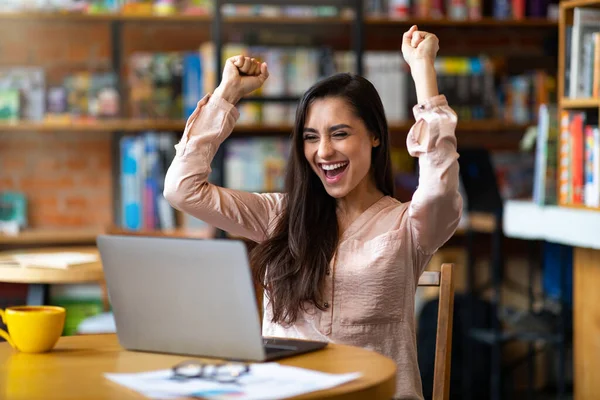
(188,296)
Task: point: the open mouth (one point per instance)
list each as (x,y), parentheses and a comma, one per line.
(334,171)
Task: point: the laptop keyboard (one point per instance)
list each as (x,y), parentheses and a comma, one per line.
(277,345)
(271,349)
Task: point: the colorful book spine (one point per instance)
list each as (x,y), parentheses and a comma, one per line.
(151,178)
(518,9)
(596,168)
(502,9)
(596,69)
(589,188)
(577,160)
(564,160)
(192,82)
(131,196)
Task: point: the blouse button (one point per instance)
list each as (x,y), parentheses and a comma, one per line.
(422,107)
(326,305)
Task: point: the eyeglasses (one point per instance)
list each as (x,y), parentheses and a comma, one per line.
(219,372)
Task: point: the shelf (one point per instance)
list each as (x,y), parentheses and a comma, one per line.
(488,125)
(279,20)
(55,16)
(52,236)
(483,22)
(476,222)
(579,207)
(487,336)
(128,125)
(579,3)
(133,125)
(569,104)
(56,236)
(570,225)
(106,17)
(173,233)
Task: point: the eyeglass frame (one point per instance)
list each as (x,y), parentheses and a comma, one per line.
(203,366)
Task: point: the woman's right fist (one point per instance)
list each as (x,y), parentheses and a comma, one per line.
(241,76)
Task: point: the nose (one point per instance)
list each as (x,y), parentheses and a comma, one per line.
(326,149)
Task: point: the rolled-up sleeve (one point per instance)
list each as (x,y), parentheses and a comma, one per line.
(436,206)
(186,183)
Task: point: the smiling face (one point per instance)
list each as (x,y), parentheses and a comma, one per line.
(338,146)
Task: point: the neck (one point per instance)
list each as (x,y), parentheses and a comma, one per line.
(356,202)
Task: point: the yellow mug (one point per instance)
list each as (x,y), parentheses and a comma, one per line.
(33,329)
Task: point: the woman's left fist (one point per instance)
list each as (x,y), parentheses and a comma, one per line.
(419,46)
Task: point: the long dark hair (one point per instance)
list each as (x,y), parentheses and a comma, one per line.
(291,265)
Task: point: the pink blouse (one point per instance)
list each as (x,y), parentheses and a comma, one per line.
(370,288)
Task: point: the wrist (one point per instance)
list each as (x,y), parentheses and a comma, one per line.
(228,93)
(425,78)
(422,66)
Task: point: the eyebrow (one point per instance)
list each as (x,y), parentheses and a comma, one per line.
(331,128)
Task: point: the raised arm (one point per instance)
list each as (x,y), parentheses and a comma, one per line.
(436,206)
(186,183)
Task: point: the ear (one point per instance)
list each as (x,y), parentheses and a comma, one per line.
(375,142)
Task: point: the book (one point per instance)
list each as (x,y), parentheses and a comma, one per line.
(192,82)
(545,180)
(590,194)
(9,105)
(586,21)
(30,84)
(564,160)
(577,159)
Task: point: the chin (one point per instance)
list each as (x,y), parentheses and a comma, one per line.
(336,193)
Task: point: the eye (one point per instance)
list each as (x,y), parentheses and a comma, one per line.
(340,134)
(310,137)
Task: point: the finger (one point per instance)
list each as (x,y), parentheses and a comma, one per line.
(250,70)
(406,38)
(264,71)
(230,68)
(238,61)
(245,68)
(417,37)
(255,69)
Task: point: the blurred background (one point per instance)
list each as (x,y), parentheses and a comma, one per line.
(95,93)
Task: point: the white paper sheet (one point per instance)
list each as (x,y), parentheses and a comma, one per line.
(60,260)
(264,382)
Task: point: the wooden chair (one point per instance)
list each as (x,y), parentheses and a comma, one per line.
(443,341)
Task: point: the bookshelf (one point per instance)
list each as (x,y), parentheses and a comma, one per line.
(135,125)
(38,237)
(483,22)
(123,38)
(575,104)
(571,223)
(207,19)
(588,105)
(577,227)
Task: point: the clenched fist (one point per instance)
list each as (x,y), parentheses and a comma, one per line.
(418,46)
(241,76)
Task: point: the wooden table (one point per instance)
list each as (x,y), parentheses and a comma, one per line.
(75,368)
(40,278)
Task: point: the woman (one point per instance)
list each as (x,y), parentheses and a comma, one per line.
(338,256)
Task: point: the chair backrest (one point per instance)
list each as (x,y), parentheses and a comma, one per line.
(443,341)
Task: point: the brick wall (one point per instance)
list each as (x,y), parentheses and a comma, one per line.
(66,176)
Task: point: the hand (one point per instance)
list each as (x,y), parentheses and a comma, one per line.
(241,76)
(419,46)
